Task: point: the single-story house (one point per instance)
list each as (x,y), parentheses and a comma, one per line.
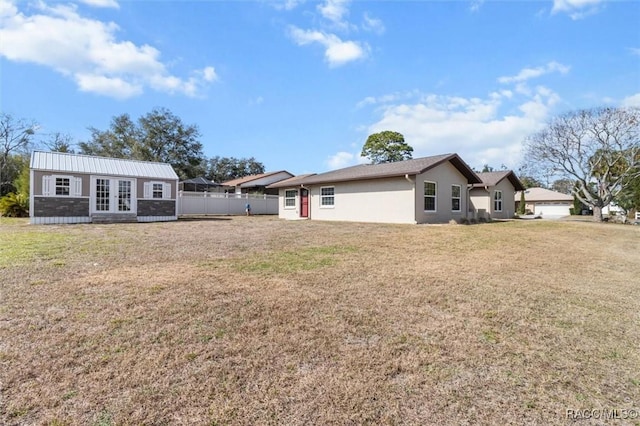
(495,197)
(421,190)
(73,188)
(256,183)
(546,203)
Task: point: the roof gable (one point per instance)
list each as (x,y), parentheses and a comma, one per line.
(399,168)
(494,178)
(62,162)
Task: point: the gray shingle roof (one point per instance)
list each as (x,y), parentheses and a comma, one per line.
(384,170)
(77,163)
(493,178)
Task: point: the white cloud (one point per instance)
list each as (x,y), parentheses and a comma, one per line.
(108,86)
(88,51)
(635,51)
(529,73)
(341,159)
(475,5)
(372,24)
(102,3)
(577,9)
(631,101)
(486,130)
(337,52)
(334,10)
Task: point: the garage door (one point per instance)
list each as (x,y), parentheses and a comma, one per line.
(552,210)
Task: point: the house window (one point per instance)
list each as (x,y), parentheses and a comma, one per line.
(430,196)
(456,192)
(290,198)
(327,198)
(156,191)
(497,201)
(63,186)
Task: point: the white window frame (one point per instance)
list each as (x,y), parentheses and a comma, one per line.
(114,195)
(459,198)
(497,200)
(49,186)
(288,198)
(149,190)
(434,196)
(324,198)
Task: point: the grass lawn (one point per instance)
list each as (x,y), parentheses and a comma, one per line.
(254,320)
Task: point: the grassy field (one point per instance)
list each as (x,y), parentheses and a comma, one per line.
(253,320)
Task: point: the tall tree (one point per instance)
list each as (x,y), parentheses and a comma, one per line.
(157,136)
(221,169)
(564,185)
(15,138)
(386,147)
(597,148)
(60,142)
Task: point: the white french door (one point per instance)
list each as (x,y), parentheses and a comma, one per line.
(112,195)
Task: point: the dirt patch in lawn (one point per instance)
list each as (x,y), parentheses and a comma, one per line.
(254,320)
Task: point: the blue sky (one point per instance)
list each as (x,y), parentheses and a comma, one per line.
(299,85)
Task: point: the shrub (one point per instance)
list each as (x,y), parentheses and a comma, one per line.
(473,221)
(463,221)
(14,205)
(482,219)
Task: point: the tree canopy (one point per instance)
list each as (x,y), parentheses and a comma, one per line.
(386,147)
(222,169)
(15,138)
(157,136)
(599,149)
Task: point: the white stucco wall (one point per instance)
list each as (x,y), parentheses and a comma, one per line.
(378,200)
(290,213)
(445,175)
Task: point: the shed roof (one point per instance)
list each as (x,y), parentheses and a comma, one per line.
(63,162)
(377,171)
(493,178)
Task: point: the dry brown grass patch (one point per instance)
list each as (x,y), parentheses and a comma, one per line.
(260,321)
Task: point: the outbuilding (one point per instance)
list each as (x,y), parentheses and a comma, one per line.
(73,188)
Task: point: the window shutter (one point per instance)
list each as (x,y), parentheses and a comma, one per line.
(46,185)
(77,187)
(166,190)
(147,190)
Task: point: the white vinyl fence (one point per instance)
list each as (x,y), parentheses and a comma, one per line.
(214,203)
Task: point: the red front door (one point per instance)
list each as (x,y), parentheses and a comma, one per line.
(304,202)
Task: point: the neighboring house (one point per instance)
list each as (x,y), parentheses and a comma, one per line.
(495,197)
(256,183)
(72,188)
(546,203)
(422,190)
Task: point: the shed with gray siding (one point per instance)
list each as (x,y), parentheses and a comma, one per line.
(73,188)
